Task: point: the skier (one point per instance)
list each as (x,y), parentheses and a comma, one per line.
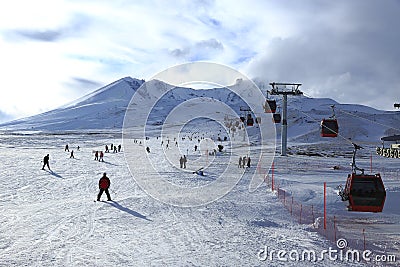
(46,162)
(119,148)
(148,149)
(248,162)
(220,148)
(72,155)
(66,148)
(96,155)
(199,172)
(107,149)
(104,184)
(240,162)
(78,148)
(101,156)
(181,162)
(195,148)
(184,161)
(244,162)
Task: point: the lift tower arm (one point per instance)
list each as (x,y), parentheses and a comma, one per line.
(285,89)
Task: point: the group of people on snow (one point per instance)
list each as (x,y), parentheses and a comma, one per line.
(182,161)
(113,148)
(104,182)
(99,156)
(71,155)
(244,162)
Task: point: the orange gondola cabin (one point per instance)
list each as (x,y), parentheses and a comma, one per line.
(364,192)
(330,127)
(276,118)
(250,120)
(270,106)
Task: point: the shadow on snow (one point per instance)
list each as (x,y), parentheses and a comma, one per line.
(127,210)
(106,162)
(54,173)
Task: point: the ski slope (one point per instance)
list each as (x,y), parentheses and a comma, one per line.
(51,218)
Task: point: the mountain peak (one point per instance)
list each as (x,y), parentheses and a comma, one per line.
(105,109)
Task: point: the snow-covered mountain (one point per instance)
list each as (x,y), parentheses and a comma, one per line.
(104,109)
(101,109)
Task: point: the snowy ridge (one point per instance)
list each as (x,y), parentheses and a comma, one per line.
(101,109)
(116,91)
(104,109)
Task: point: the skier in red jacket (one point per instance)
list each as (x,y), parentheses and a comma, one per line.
(104,184)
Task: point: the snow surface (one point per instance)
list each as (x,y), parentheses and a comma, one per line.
(50,218)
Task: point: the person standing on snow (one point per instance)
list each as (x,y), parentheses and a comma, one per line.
(46,162)
(104,184)
(96,155)
(72,155)
(66,148)
(181,162)
(101,156)
(184,161)
(240,162)
(248,162)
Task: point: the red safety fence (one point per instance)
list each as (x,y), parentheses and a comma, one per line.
(358,235)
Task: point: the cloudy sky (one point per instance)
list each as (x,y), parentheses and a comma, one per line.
(52,52)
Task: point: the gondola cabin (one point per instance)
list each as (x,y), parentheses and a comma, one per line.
(250,120)
(276,118)
(329,128)
(365,193)
(270,106)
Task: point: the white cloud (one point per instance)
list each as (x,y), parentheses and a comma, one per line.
(335,48)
